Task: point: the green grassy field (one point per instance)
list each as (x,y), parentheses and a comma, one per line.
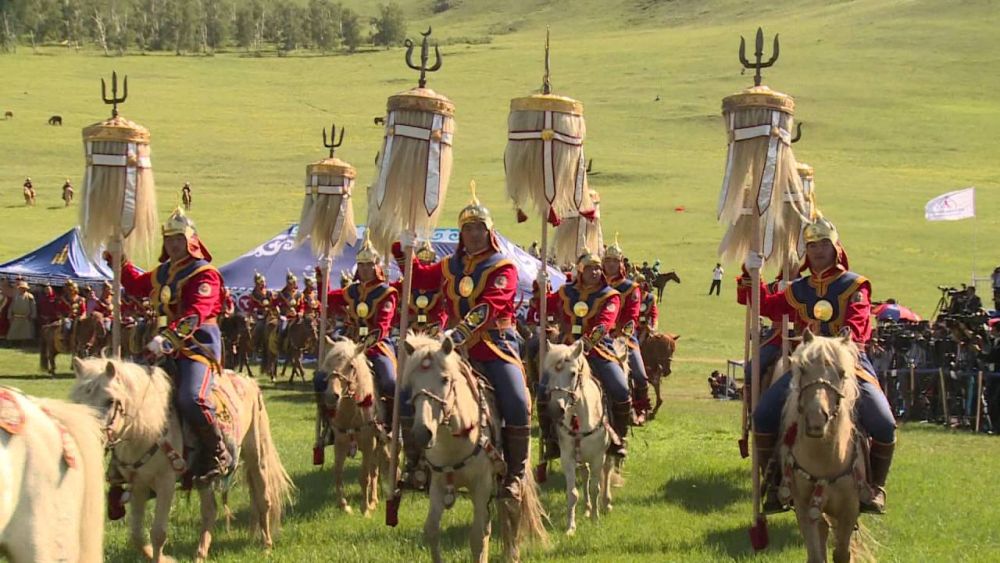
(897,98)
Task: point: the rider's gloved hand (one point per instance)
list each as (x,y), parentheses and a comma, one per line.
(159,346)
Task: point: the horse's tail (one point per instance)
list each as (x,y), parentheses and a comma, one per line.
(270,485)
(82,424)
(530,520)
(862,542)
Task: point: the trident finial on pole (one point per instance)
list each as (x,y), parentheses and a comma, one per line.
(114,100)
(798,132)
(758,55)
(424,52)
(546,81)
(333,135)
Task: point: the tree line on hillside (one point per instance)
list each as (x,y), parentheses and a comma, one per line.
(118,27)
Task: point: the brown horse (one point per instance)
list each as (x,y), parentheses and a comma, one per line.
(85,336)
(55,120)
(657,350)
(236,335)
(136,335)
(301,336)
(8,114)
(67,195)
(272,346)
(186,198)
(660,282)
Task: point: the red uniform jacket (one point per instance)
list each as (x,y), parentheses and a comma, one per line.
(260,300)
(602,305)
(191,291)
(631,301)
(74,309)
(368,307)
(467,282)
(289,303)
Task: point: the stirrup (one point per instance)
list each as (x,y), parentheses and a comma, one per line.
(877,503)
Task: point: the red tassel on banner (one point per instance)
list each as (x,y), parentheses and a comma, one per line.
(554,219)
(521,216)
(589,215)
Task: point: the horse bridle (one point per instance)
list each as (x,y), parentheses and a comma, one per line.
(823,382)
(447,402)
(114,411)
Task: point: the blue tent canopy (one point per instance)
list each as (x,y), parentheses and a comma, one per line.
(57,262)
(277,256)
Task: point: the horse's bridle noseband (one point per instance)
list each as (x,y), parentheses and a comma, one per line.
(823,382)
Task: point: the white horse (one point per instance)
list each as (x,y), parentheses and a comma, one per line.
(355,419)
(822,451)
(455,423)
(51,480)
(578,411)
(148,442)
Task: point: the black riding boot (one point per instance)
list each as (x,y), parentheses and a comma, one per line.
(413,476)
(547,431)
(640,405)
(881,461)
(324,425)
(214,458)
(770,482)
(516,440)
(621,415)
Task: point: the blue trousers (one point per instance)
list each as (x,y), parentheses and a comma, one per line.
(611,376)
(507,380)
(637,369)
(194,380)
(872,410)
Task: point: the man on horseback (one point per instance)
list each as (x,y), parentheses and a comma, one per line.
(105,306)
(480,284)
(289,303)
(186,195)
(427,309)
(310,298)
(830,301)
(260,299)
(186,289)
(369,304)
(626,325)
(588,308)
(71,307)
(649,314)
(67,192)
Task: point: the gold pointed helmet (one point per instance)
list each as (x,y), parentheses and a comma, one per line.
(615,250)
(588,258)
(475,212)
(179,224)
(259,279)
(425,252)
(291,278)
(367,253)
(821,229)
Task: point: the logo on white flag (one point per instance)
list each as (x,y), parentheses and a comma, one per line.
(952,206)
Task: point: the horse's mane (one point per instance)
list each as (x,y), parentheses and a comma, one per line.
(346,349)
(143,393)
(818,352)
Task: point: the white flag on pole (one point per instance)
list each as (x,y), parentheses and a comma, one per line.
(952,206)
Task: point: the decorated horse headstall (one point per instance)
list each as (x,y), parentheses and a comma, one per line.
(446,418)
(573,395)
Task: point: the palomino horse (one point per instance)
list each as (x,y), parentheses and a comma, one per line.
(29,196)
(578,409)
(85,336)
(52,480)
(657,350)
(823,452)
(353,416)
(456,424)
(660,282)
(301,336)
(146,441)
